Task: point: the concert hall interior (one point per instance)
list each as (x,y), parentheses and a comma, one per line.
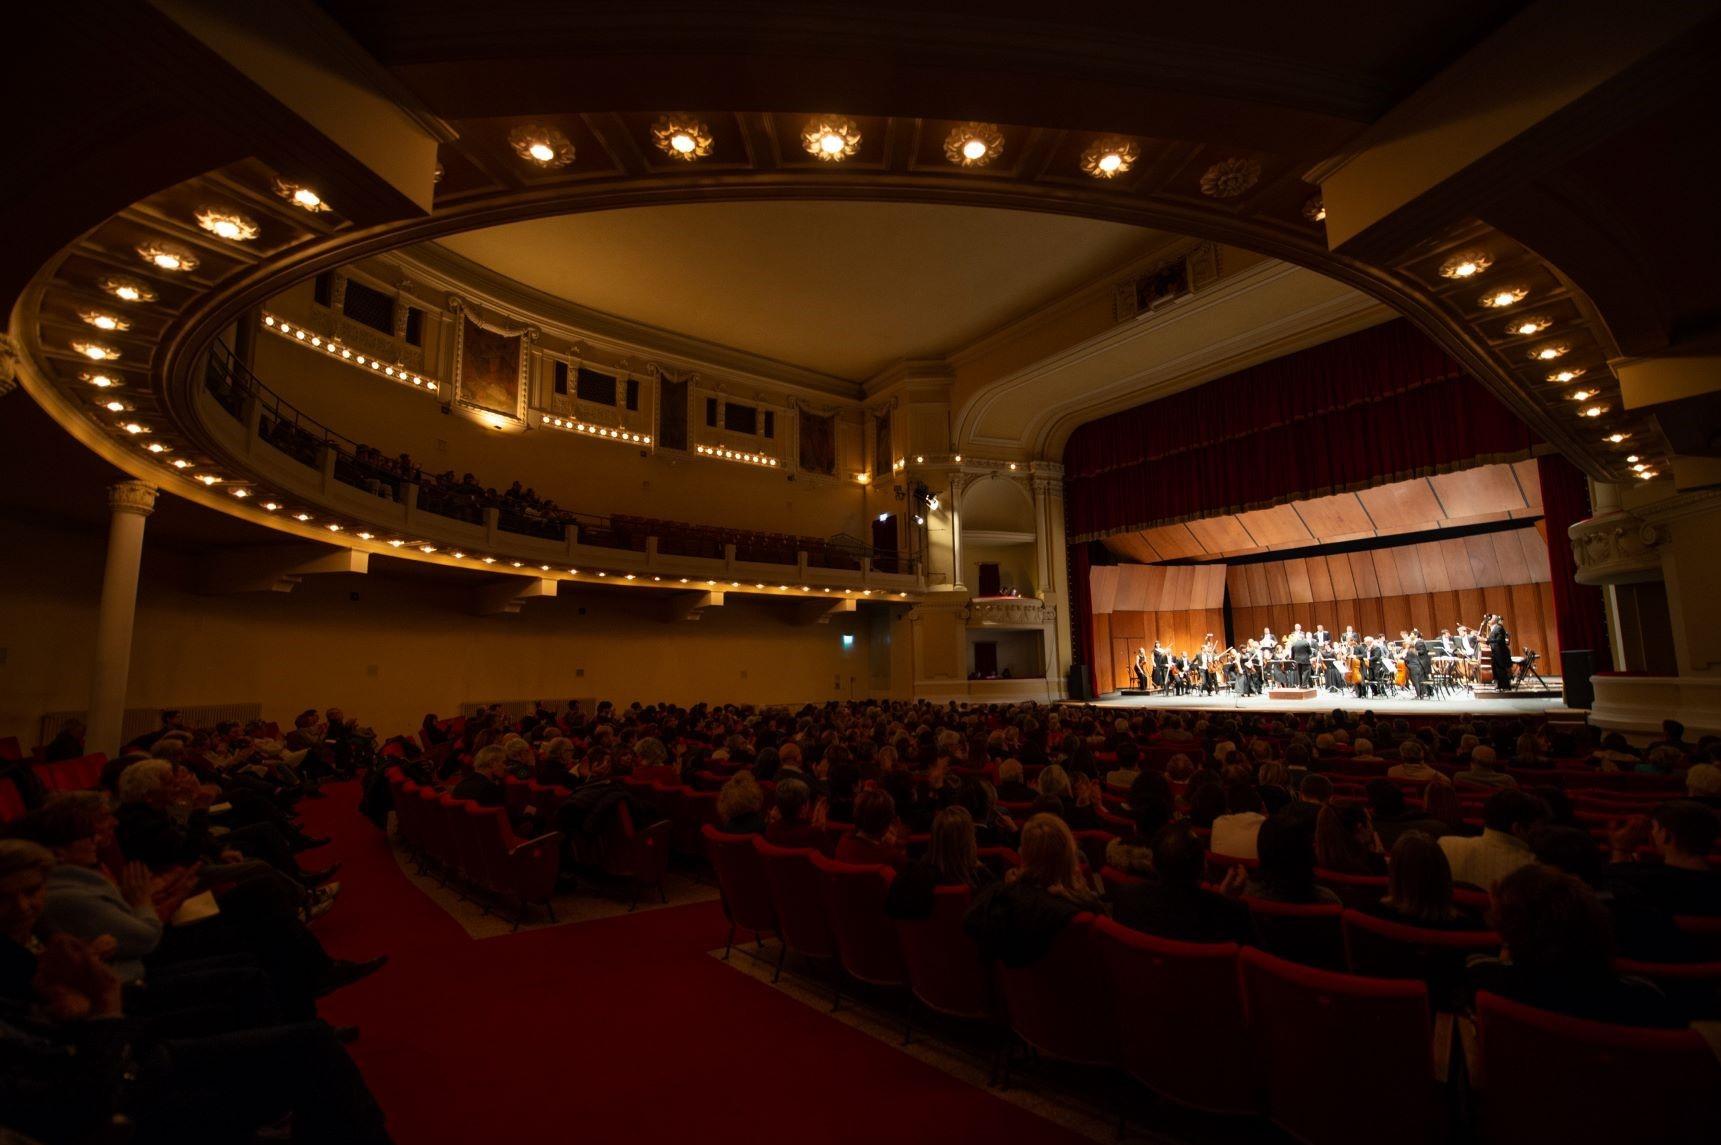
(917,569)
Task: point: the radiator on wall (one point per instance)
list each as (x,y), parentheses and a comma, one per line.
(139,720)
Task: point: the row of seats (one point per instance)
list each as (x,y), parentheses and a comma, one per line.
(477,847)
(1331,1057)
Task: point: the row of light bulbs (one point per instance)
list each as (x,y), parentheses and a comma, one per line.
(334,348)
(599,431)
(1467,265)
(719,453)
(828,138)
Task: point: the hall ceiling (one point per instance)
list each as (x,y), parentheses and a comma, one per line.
(1480,495)
(840,288)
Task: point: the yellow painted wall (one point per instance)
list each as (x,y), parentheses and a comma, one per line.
(406,645)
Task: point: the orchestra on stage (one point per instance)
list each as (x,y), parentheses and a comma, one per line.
(1414,665)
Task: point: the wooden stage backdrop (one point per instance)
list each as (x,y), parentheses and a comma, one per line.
(1432,585)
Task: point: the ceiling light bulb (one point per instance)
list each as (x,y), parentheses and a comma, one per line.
(1110,162)
(682,142)
(1594,411)
(1109,157)
(167,256)
(133,427)
(395,544)
(240,492)
(427,548)
(115,407)
(157,447)
(95,351)
(973,144)
(1639,467)
(1647,474)
(301,516)
(1582,395)
(209,479)
(271,506)
(1565,375)
(366,536)
(1549,353)
(1505,296)
(101,381)
(1526,326)
(307,198)
(229,225)
(1466,265)
(544,146)
(181,463)
(126,289)
(973,149)
(831,138)
(1616,438)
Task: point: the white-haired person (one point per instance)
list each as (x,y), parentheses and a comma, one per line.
(483,783)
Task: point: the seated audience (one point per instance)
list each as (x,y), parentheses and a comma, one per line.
(1286,845)
(483,784)
(1392,816)
(1558,952)
(1011,789)
(740,805)
(1234,832)
(1482,771)
(1015,921)
(1412,764)
(1174,903)
(1508,819)
(1419,887)
(1346,843)
(952,860)
(877,838)
(793,821)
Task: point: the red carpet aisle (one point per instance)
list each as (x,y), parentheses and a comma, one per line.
(623,1029)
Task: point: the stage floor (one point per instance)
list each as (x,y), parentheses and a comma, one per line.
(1460,703)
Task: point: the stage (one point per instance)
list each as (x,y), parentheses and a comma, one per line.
(1456,704)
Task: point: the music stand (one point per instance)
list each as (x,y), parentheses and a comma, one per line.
(1527,667)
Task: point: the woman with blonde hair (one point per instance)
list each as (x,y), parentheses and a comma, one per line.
(1017,920)
(952,860)
(739,805)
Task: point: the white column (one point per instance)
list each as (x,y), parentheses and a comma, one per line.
(129,502)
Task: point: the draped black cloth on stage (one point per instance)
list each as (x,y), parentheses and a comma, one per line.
(1578,610)
(1381,405)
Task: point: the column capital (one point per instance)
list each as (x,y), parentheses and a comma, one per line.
(132,497)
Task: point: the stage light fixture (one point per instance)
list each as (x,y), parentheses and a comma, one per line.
(831,138)
(1109,157)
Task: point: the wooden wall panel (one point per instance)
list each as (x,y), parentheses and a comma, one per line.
(1509,554)
(1258,594)
(1484,567)
(1395,615)
(1320,580)
(1434,574)
(1237,584)
(1278,584)
(1410,578)
(1344,584)
(1386,573)
(1445,610)
(1362,571)
(1297,578)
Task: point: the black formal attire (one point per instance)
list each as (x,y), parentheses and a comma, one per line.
(1376,670)
(1139,669)
(1161,664)
(1416,667)
(1500,652)
(1208,661)
(1335,679)
(1185,915)
(1302,657)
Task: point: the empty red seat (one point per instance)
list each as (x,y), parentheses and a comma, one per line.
(741,877)
(1058,1005)
(1548,1077)
(11,801)
(518,871)
(1316,1030)
(867,945)
(798,895)
(1159,986)
(945,970)
(640,856)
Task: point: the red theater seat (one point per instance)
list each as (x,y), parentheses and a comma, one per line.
(945,970)
(867,945)
(1317,1031)
(741,876)
(798,896)
(1549,1077)
(1058,1006)
(1302,932)
(1180,1028)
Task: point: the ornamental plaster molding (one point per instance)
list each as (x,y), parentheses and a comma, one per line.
(1617,548)
(132,497)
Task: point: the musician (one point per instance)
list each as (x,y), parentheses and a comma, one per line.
(1249,669)
(1302,656)
(1180,674)
(1321,637)
(1464,644)
(1350,639)
(1415,654)
(1139,667)
(1376,673)
(1161,664)
(1331,654)
(1208,661)
(1499,651)
(1269,652)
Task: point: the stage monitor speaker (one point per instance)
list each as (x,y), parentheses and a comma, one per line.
(1078,684)
(1576,667)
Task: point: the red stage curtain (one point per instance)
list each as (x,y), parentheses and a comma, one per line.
(1578,608)
(1082,611)
(1381,405)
